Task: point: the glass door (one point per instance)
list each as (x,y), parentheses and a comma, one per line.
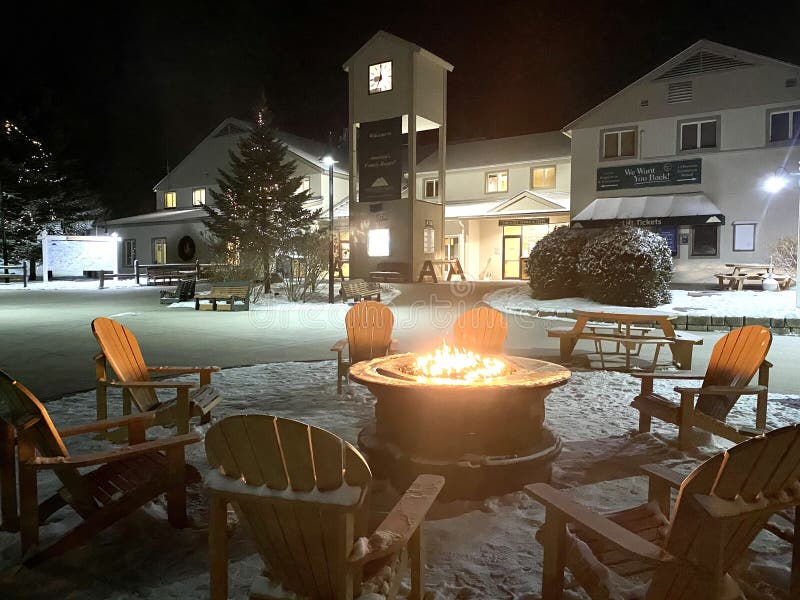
(512,249)
(159,251)
(451,251)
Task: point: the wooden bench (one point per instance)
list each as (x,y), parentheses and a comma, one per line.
(359,290)
(182,293)
(6,277)
(397,272)
(223,297)
(737,281)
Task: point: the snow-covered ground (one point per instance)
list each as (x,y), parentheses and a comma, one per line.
(474,549)
(68,284)
(747,303)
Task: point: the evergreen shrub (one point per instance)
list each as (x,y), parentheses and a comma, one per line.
(552,264)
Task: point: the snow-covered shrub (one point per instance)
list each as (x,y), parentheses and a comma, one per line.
(627,266)
(552,264)
(784,255)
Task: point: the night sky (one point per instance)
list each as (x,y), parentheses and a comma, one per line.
(130,87)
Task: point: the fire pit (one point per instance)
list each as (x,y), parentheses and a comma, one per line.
(477,420)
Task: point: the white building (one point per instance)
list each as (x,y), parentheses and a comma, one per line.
(686,150)
(175,232)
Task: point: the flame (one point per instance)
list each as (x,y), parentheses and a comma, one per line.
(449,364)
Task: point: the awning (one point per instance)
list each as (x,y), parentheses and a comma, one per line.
(646,211)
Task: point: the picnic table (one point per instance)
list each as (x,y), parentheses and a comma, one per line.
(428,270)
(755,273)
(629,328)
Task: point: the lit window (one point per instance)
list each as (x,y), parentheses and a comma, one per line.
(619,144)
(199,197)
(378,242)
(784,126)
(305,185)
(744,237)
(496,181)
(159,251)
(698,134)
(431,188)
(544,177)
(170,200)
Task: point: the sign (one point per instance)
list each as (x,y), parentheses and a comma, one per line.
(531,221)
(676,172)
(670,235)
(717,219)
(380,165)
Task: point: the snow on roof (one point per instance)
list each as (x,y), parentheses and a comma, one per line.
(658,206)
(163,216)
(500,151)
(526,202)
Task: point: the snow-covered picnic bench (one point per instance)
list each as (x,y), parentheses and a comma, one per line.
(225,297)
(359,290)
(755,274)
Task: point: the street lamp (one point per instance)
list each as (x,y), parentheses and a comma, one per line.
(328,161)
(774,184)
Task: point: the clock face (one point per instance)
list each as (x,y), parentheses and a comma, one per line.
(380,77)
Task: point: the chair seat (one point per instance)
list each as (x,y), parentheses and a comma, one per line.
(657,406)
(201,401)
(115,480)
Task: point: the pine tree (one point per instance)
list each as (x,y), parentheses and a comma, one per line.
(258,208)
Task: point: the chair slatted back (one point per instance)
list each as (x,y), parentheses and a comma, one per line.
(734,360)
(23,411)
(481,330)
(369,330)
(122,352)
(748,479)
(305,541)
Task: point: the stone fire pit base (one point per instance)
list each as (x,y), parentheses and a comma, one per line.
(471,477)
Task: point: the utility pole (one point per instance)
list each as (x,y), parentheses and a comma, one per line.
(3,226)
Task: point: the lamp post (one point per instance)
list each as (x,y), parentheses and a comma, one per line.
(774,184)
(328,161)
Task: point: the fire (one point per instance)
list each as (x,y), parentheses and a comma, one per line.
(455,365)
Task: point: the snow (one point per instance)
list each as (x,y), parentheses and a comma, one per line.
(69,284)
(474,550)
(776,305)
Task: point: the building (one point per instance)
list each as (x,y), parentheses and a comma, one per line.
(175,232)
(686,150)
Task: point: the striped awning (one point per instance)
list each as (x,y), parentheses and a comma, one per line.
(647,211)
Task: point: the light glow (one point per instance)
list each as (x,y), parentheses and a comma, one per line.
(328,160)
(378,242)
(774,184)
(448,364)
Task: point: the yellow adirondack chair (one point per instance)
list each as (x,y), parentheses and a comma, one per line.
(304,493)
(734,360)
(369,335)
(482,330)
(721,506)
(121,350)
(126,477)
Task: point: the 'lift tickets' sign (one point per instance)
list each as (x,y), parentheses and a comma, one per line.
(380,168)
(677,172)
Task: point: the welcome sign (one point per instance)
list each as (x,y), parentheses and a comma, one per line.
(676,172)
(380,170)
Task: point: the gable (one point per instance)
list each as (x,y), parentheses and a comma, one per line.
(701,62)
(533,201)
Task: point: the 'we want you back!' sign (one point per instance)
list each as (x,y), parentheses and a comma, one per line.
(675,172)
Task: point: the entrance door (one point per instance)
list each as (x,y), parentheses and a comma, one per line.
(452,251)
(159,251)
(512,249)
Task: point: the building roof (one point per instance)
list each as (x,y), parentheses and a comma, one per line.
(213,151)
(525,202)
(160,216)
(500,151)
(399,42)
(704,56)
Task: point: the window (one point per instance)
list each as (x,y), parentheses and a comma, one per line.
(784,126)
(619,144)
(378,242)
(305,185)
(543,178)
(159,251)
(744,237)
(697,135)
(496,181)
(704,240)
(170,200)
(199,197)
(431,188)
(128,252)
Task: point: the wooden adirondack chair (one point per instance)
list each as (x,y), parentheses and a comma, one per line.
(369,335)
(304,493)
(734,360)
(482,330)
(126,479)
(720,508)
(121,350)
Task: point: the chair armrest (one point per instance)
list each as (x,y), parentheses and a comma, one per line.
(617,535)
(117,454)
(723,389)
(393,346)
(152,384)
(174,370)
(339,346)
(399,525)
(668,375)
(106,424)
(672,478)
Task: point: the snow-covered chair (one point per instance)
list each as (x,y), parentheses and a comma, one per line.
(481,330)
(304,494)
(369,335)
(721,506)
(736,357)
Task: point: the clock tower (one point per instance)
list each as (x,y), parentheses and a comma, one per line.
(397,102)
